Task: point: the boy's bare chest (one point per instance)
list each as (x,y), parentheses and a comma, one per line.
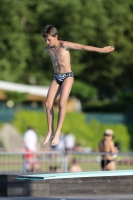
(57,54)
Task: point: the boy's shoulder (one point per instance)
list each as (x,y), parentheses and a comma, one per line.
(64,44)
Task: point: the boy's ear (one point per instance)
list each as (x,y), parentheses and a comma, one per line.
(56,36)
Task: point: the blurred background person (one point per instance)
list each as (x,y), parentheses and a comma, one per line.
(107,145)
(75,167)
(31,163)
(54,169)
(61,145)
(70,141)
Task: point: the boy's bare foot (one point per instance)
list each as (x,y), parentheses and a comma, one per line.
(55,140)
(48,137)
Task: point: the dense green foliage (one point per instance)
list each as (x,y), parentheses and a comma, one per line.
(87,134)
(97,23)
(17,97)
(109,106)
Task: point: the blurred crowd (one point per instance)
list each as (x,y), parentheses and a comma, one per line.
(67,145)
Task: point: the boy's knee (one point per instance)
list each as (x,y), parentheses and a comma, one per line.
(48,105)
(62,105)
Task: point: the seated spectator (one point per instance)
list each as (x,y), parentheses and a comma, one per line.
(75,167)
(54,169)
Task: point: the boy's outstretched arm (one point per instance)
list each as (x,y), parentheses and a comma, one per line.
(71,45)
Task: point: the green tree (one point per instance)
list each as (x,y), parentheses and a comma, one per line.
(96,23)
(16,97)
(84,91)
(14,51)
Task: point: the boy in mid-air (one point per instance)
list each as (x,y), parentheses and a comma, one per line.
(63,77)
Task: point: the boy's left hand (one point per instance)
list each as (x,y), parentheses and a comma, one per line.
(108,49)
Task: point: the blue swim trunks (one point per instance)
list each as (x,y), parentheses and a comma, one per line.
(61,77)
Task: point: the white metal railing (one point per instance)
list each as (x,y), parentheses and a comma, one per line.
(59,162)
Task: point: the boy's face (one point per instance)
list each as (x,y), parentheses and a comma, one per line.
(50,40)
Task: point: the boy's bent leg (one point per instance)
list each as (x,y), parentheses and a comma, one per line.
(51,96)
(64,94)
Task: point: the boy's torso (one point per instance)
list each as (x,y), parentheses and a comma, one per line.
(60,58)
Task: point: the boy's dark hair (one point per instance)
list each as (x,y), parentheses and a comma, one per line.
(49,30)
